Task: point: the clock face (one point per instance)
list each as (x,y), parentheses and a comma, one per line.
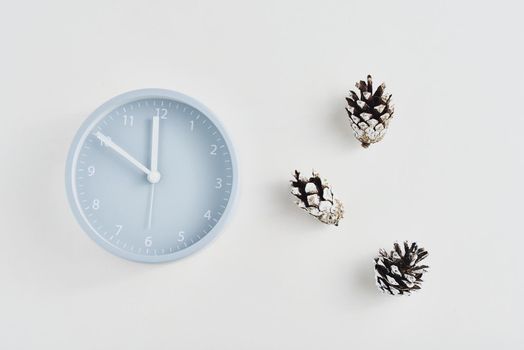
(151,175)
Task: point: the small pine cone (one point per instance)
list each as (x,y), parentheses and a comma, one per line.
(315,196)
(370,113)
(399,272)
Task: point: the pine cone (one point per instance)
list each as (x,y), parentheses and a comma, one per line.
(398,272)
(370,114)
(314,195)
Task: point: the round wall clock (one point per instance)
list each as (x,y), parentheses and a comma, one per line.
(151,175)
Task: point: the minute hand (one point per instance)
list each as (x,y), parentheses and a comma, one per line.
(106,140)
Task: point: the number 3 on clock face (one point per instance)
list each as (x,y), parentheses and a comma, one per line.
(151,175)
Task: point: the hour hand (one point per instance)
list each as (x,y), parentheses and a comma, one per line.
(106,141)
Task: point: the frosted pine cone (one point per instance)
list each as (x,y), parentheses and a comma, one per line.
(399,272)
(370,113)
(314,195)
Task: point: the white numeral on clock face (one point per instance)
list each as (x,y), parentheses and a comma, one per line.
(181,236)
(129,120)
(213,150)
(218,183)
(118,229)
(192,125)
(148,242)
(161,112)
(91,170)
(207,215)
(96,204)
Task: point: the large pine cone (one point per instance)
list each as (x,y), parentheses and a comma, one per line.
(314,195)
(399,271)
(370,113)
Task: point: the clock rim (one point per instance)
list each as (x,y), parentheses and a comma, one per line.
(78,140)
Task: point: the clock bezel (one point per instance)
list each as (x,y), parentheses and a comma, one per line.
(92,120)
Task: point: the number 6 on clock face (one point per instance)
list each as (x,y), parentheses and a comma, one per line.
(151,175)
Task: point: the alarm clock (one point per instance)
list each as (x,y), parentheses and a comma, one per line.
(151,175)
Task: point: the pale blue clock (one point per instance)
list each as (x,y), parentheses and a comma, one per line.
(151,175)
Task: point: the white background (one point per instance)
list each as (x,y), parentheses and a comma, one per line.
(448,173)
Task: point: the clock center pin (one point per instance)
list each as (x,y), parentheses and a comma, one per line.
(154,177)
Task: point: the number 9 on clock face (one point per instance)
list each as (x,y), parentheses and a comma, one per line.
(151,175)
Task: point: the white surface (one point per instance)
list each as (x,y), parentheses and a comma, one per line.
(448,173)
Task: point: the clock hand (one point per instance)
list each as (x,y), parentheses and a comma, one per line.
(106,140)
(151,200)
(154,176)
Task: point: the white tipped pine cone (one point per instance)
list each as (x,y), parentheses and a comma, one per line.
(370,112)
(399,272)
(315,196)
